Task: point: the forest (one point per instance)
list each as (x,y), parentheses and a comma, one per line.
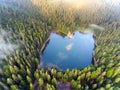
(29,23)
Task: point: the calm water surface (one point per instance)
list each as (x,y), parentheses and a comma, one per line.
(65,52)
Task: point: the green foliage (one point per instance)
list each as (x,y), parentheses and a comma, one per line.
(3,86)
(31,86)
(117,80)
(49,87)
(9,81)
(54,81)
(28,79)
(73,84)
(30,27)
(110,73)
(41,82)
(14,87)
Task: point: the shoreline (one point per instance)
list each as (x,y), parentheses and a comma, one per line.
(94,62)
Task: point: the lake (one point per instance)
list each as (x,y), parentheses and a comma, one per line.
(65,52)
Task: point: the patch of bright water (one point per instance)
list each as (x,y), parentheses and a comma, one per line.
(65,52)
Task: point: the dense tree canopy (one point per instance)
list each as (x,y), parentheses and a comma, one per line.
(30,26)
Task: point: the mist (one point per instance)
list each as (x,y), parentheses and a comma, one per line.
(6,48)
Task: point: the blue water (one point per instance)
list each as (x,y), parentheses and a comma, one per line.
(64,52)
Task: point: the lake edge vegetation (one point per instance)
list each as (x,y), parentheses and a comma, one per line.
(30,27)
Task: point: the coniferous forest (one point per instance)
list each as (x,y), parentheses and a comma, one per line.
(25,25)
